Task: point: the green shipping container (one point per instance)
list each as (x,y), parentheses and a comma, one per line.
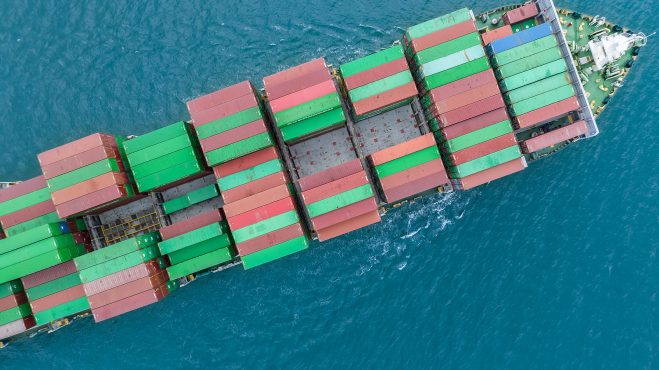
(155,137)
(250,174)
(10,287)
(27,225)
(537,88)
(29,237)
(24,201)
(53,286)
(456,73)
(340,200)
(533,75)
(525,50)
(238,149)
(117,264)
(275,252)
(83,174)
(308,109)
(36,249)
(438,23)
(265,226)
(169,176)
(202,262)
(530,62)
(452,60)
(172,285)
(403,163)
(199,249)
(229,122)
(380,86)
(162,163)
(191,198)
(478,136)
(160,149)
(14,313)
(58,312)
(542,100)
(371,61)
(317,123)
(193,237)
(450,47)
(116,250)
(485,162)
(42,262)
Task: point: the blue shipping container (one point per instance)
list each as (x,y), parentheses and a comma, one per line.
(519,38)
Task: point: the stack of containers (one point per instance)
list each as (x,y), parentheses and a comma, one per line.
(554,137)
(304,100)
(164,157)
(124,276)
(87,174)
(409,168)
(26,205)
(378,82)
(533,76)
(462,100)
(196,244)
(195,196)
(15,314)
(229,123)
(339,200)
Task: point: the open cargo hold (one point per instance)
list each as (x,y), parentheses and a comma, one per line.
(554,137)
(27,203)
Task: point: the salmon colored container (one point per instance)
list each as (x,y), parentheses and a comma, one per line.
(476,123)
(548,139)
(345,213)
(415,187)
(302,96)
(13,300)
(484,148)
(129,304)
(127,290)
(232,136)
(299,83)
(223,110)
(192,223)
(376,73)
(22,188)
(470,110)
(57,299)
(443,35)
(467,97)
(79,160)
(88,186)
(348,226)
(386,98)
(283,83)
(547,113)
(256,201)
(522,13)
(262,213)
(49,274)
(245,162)
(270,239)
(335,187)
(76,147)
(330,174)
(27,214)
(122,277)
(496,34)
(463,85)
(254,187)
(402,149)
(91,200)
(220,96)
(493,173)
(16,327)
(435,167)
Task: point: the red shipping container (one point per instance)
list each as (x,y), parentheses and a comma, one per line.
(193,223)
(16,327)
(304,75)
(335,187)
(348,226)
(522,13)
(226,109)
(548,139)
(376,73)
(492,173)
(57,299)
(547,113)
(88,186)
(91,200)
(80,160)
(443,35)
(402,149)
(484,148)
(401,178)
(256,201)
(22,188)
(470,110)
(127,290)
(415,187)
(232,136)
(270,239)
(496,34)
(27,214)
(245,162)
(345,213)
(468,97)
(129,304)
(476,123)
(385,99)
(12,300)
(253,187)
(463,85)
(219,97)
(49,274)
(262,213)
(302,96)
(330,174)
(122,277)
(76,147)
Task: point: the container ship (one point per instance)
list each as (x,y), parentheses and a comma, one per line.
(116,223)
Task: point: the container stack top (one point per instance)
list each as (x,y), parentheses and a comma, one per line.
(26,205)
(15,313)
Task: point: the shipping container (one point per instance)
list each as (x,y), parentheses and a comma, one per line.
(414,187)
(53,286)
(22,188)
(124,276)
(57,299)
(76,147)
(274,252)
(10,288)
(525,50)
(407,162)
(116,250)
(192,223)
(542,100)
(190,199)
(443,35)
(554,137)
(264,241)
(308,109)
(330,174)
(155,137)
(256,200)
(340,200)
(88,186)
(474,124)
(34,235)
(375,73)
(117,264)
(478,136)
(469,97)
(438,23)
(290,80)
(158,150)
(24,201)
(300,97)
(80,160)
(127,290)
(485,162)
(371,61)
(227,123)
(47,275)
(225,110)
(481,149)
(262,213)
(129,304)
(447,48)
(452,60)
(169,176)
(233,136)
(90,201)
(14,313)
(348,226)
(35,249)
(456,73)
(388,98)
(84,173)
(520,38)
(547,113)
(524,12)
(154,166)
(471,110)
(537,88)
(335,187)
(199,249)
(496,34)
(11,301)
(402,149)
(199,263)
(434,167)
(239,149)
(265,226)
(529,62)
(16,327)
(246,162)
(316,124)
(193,237)
(533,75)
(250,174)
(492,173)
(339,215)
(220,96)
(27,214)
(254,187)
(461,86)
(27,225)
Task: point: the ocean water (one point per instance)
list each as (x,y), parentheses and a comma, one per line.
(555,267)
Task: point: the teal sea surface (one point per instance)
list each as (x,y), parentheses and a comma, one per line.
(555,267)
